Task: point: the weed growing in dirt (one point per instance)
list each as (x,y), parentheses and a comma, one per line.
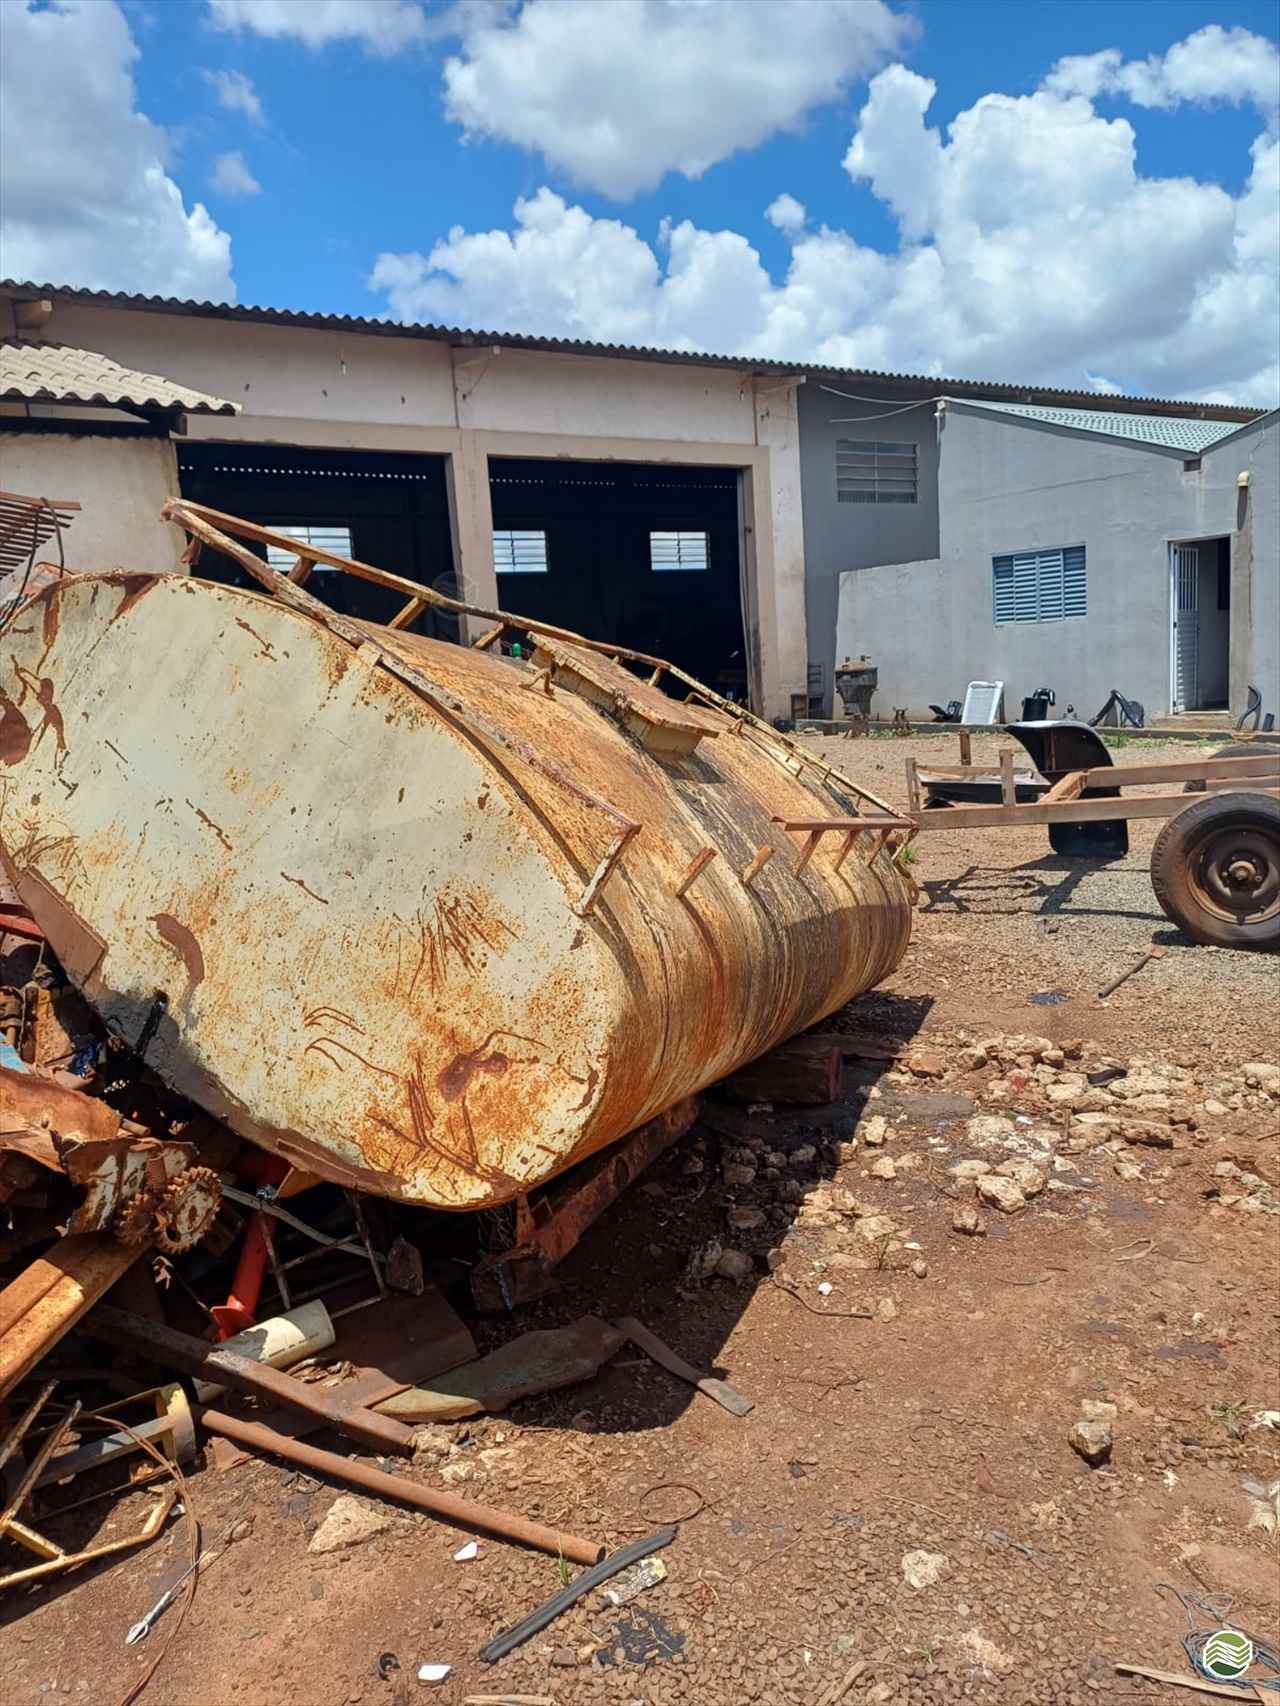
(1231,1415)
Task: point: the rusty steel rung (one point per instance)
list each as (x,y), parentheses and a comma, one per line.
(214,522)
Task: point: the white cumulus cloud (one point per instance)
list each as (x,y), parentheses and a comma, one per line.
(85,194)
(1031,248)
(231,176)
(618,95)
(382,26)
(786,213)
(1214,65)
(236,93)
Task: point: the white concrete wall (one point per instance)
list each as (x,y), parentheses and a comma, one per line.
(119,483)
(350,390)
(1012,486)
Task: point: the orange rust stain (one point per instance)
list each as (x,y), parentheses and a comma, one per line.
(454,1081)
(178,936)
(49,624)
(266,651)
(456,930)
(15,734)
(136,587)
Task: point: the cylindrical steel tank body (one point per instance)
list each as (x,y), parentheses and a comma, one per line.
(350,915)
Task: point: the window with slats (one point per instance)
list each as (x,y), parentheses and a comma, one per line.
(678,550)
(874,471)
(322,534)
(520,550)
(1039,586)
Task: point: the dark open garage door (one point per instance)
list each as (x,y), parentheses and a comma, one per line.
(386,509)
(643,554)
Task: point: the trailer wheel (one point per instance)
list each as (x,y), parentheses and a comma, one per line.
(1238,749)
(1215,868)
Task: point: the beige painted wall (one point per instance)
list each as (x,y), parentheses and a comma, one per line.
(119,483)
(351,390)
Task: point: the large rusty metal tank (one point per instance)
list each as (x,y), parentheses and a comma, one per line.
(414,916)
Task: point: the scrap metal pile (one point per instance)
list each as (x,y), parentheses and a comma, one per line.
(318,929)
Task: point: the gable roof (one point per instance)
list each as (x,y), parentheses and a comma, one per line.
(1169,432)
(914,384)
(59,373)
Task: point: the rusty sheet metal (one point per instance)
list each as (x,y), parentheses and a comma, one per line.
(394,910)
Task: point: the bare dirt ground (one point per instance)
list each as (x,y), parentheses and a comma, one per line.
(1143,1272)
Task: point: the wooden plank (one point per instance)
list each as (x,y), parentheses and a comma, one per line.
(1266,764)
(820,825)
(171,1349)
(966,747)
(1068,787)
(1064,811)
(1008,787)
(51,1294)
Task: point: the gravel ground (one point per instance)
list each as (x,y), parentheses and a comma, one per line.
(1001,907)
(914,1384)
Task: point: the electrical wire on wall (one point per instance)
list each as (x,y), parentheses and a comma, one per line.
(887,414)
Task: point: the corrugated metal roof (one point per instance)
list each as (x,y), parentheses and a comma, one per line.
(58,373)
(1170,432)
(924,385)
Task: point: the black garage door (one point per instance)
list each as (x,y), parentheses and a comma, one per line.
(388,510)
(642,554)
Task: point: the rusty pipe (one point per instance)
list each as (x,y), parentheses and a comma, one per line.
(461,1513)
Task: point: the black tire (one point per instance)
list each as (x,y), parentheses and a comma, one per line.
(1215,868)
(1237,749)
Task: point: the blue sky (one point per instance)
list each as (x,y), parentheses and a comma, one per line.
(336,180)
(369,136)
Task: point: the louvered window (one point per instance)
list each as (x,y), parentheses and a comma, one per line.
(678,551)
(1039,586)
(323,535)
(519,550)
(871,471)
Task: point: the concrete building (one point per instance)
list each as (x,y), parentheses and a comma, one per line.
(703,508)
(640,496)
(1080,550)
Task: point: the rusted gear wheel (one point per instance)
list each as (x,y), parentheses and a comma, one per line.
(133,1219)
(187,1209)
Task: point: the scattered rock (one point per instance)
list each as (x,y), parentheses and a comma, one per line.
(1099,1409)
(987,1129)
(883,1168)
(886,1310)
(804,1156)
(348,1522)
(969,1169)
(1001,1193)
(775,1158)
(972,1059)
(1025,1174)
(745,1219)
(1091,1440)
(735,1265)
(1216,1108)
(1262,1075)
(432,1442)
(926,1065)
(923,1569)
(967,1219)
(452,1474)
(984,1655)
(737,1174)
(873,1131)
(1145,1132)
(874,1227)
(920,1268)
(702,1263)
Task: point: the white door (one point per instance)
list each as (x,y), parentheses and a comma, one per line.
(1184,587)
